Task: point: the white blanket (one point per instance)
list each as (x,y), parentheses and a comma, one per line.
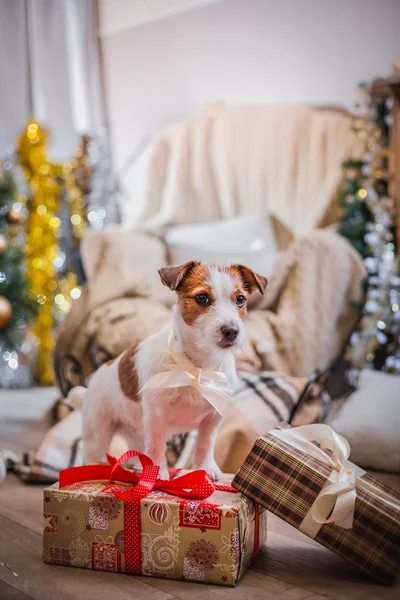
(284,161)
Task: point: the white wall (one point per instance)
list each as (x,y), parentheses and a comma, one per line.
(118,15)
(58,81)
(242,52)
(14,100)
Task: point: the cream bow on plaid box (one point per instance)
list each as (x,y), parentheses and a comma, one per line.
(336,501)
(182,372)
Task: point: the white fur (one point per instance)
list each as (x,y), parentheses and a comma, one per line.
(149,423)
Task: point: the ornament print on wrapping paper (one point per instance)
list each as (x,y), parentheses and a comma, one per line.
(105,555)
(60,496)
(159,495)
(108,504)
(97,519)
(192,571)
(59,556)
(200,515)
(120,541)
(231,545)
(71,522)
(84,491)
(102,510)
(231,569)
(160,552)
(50,523)
(159,513)
(201,556)
(80,553)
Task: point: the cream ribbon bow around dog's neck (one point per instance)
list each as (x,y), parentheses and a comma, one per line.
(181,372)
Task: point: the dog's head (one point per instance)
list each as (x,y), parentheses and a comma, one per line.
(213,299)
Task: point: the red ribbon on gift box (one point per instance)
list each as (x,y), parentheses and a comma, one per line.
(196,485)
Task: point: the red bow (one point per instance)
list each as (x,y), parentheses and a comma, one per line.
(195,484)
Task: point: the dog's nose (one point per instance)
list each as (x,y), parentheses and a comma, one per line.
(230,332)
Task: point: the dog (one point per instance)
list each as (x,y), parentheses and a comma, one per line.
(127,393)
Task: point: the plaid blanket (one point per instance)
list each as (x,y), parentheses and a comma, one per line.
(262,400)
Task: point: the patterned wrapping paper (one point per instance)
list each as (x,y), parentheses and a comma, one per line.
(210,540)
(287,481)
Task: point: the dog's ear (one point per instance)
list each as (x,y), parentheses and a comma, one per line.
(251,280)
(172,277)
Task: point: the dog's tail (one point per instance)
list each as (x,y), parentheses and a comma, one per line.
(71,379)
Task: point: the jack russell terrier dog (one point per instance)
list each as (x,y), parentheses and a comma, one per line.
(179,379)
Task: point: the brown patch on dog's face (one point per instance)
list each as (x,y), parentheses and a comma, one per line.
(191,290)
(252,281)
(128,378)
(239,296)
(172,277)
(189,281)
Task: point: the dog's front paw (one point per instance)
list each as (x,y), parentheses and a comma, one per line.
(212,469)
(163,473)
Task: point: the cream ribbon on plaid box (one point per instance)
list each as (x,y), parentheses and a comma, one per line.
(336,501)
(181,372)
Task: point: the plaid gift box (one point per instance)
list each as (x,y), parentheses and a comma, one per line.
(187,528)
(311,485)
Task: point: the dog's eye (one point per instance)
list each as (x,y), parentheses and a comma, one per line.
(202,299)
(240,300)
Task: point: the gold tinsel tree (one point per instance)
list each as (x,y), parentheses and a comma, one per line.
(52,188)
(42,232)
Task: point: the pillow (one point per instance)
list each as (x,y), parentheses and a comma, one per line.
(370,422)
(249,240)
(136,255)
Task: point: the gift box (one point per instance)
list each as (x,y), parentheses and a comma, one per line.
(303,476)
(187,528)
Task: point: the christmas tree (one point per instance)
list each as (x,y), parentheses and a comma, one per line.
(16,303)
(368,223)
(356,213)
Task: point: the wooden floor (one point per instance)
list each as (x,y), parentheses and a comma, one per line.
(290,567)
